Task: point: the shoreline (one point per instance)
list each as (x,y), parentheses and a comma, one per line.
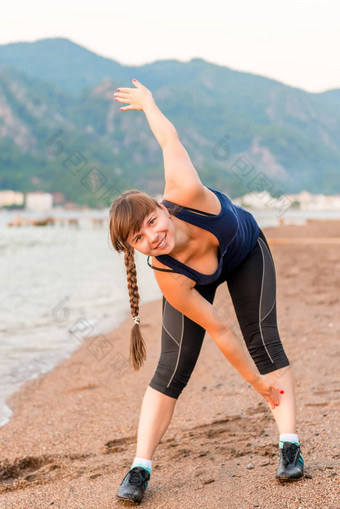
(59,291)
(73,431)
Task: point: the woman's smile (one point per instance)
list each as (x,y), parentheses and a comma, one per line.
(162,243)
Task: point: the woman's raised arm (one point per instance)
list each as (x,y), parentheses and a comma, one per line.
(140,98)
(179,172)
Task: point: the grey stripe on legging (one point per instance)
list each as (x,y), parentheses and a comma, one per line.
(260,307)
(166,330)
(179,345)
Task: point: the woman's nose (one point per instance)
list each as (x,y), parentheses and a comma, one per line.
(153,238)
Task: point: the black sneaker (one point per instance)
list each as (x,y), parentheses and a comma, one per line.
(290,462)
(134,484)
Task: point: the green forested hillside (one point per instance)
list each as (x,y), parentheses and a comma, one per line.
(57,108)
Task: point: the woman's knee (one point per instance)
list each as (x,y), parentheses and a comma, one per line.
(266,349)
(173,372)
(168,384)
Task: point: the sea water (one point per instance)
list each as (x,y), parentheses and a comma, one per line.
(58,285)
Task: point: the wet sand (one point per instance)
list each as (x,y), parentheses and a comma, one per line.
(73,432)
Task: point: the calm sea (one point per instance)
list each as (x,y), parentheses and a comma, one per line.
(63,283)
(59,285)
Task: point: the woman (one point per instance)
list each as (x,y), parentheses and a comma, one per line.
(197,239)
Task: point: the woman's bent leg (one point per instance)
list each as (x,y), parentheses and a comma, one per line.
(181,344)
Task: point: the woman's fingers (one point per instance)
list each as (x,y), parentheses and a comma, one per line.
(122,97)
(137,83)
(122,94)
(124,89)
(277,390)
(272,402)
(122,100)
(269,390)
(274,399)
(138,96)
(131,107)
(126,98)
(275,387)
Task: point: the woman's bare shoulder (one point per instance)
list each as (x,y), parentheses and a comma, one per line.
(200,198)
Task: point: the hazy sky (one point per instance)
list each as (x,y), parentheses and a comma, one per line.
(294,41)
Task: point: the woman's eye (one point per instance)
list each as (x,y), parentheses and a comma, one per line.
(138,238)
(152,220)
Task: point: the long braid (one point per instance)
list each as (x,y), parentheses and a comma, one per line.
(137,345)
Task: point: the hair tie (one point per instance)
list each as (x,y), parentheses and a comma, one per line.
(136,319)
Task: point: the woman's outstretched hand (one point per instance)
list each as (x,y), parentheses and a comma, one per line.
(268,389)
(136,98)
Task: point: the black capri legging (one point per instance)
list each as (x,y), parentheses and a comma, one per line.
(252,287)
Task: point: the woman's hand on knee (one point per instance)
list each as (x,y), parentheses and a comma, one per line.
(137,98)
(268,389)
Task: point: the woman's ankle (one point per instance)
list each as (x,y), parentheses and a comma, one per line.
(142,462)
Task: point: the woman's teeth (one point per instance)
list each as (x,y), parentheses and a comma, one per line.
(162,243)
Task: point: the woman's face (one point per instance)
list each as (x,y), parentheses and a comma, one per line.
(156,235)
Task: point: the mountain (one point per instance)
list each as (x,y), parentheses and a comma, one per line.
(60,61)
(61,130)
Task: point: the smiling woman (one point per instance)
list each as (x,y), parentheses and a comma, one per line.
(198,239)
(152,234)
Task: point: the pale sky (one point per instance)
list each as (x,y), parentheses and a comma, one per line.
(296,42)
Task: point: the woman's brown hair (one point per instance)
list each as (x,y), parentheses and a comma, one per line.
(127,214)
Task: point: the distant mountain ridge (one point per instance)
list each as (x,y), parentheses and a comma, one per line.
(285,138)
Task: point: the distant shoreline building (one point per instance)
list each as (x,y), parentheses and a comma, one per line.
(302,201)
(310,201)
(9,198)
(39,201)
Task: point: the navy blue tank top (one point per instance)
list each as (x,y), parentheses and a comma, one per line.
(235,228)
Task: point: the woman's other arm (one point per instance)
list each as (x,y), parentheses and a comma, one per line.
(179,291)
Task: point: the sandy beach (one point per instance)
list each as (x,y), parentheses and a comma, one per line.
(72,436)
